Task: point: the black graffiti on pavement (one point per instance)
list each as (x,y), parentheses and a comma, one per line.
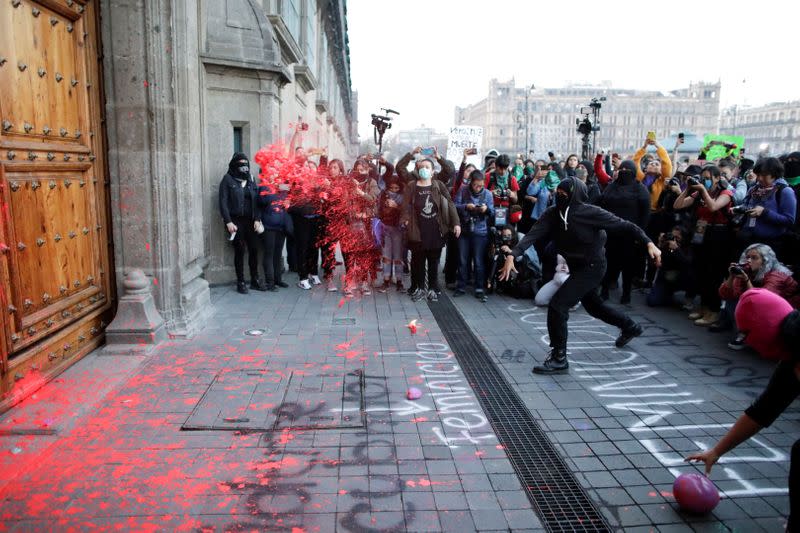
(519,357)
(745,376)
(290,475)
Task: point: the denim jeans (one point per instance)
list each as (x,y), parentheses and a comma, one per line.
(472,247)
(393,251)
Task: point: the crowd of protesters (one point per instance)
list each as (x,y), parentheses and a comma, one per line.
(722,225)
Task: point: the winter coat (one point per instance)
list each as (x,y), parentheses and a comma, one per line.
(628,199)
(580,233)
(482,220)
(448,215)
(446,175)
(778,216)
(657,184)
(273,209)
(781,283)
(231,198)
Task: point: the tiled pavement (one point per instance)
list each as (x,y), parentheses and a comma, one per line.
(622,420)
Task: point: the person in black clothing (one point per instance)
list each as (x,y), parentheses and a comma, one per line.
(628,199)
(773,329)
(578,230)
(239,210)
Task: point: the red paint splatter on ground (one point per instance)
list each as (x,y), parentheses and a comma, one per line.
(500,447)
(420,419)
(342,492)
(480,453)
(146,85)
(155,280)
(341,303)
(147,246)
(412,326)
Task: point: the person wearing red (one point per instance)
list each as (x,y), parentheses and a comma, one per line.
(503,186)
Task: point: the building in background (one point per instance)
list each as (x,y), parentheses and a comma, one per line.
(519,119)
(145,104)
(773,128)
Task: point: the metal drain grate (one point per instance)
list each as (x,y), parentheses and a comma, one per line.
(556,495)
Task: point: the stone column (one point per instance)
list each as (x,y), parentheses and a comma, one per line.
(137,327)
(150,59)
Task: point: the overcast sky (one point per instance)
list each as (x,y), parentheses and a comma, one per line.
(423,58)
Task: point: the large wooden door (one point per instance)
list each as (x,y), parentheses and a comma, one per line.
(54,236)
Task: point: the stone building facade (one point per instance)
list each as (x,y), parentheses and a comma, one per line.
(516,119)
(773,128)
(186,83)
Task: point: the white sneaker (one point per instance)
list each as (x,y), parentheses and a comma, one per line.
(332,286)
(365,289)
(304,284)
(315,280)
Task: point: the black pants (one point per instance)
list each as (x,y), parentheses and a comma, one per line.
(273,255)
(711,259)
(451,260)
(305,242)
(581,286)
(621,257)
(327,247)
(419,259)
(246,240)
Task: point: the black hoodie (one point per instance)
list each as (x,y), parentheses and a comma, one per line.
(580,232)
(626,197)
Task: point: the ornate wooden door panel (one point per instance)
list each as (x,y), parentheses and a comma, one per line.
(54,246)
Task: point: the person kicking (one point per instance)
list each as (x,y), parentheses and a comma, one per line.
(578,230)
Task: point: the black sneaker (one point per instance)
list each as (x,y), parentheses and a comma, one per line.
(258,285)
(241,287)
(626,298)
(458,292)
(480,295)
(399,285)
(628,334)
(282,284)
(556,363)
(418,295)
(433,296)
(385,287)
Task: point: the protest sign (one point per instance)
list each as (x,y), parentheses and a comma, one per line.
(718,150)
(461,137)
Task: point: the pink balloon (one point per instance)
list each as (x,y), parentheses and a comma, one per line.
(414,393)
(695,493)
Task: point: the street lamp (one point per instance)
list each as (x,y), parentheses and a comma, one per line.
(528,92)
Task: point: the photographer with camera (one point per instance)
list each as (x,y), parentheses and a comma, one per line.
(769,208)
(712,240)
(675,273)
(757,267)
(475,207)
(502,241)
(503,186)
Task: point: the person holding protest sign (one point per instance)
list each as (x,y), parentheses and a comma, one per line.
(578,230)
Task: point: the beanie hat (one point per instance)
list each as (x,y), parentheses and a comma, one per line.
(759,315)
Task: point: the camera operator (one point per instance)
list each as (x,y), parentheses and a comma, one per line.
(758,267)
(475,209)
(769,208)
(504,239)
(502,184)
(712,240)
(675,273)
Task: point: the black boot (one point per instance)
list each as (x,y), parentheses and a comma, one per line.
(556,363)
(626,298)
(628,333)
(604,293)
(241,287)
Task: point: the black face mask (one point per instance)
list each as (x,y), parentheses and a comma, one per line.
(562,202)
(791,169)
(243,170)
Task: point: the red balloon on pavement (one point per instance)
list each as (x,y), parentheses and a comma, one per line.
(695,493)
(413,393)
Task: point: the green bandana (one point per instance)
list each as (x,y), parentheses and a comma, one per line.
(794,182)
(552,180)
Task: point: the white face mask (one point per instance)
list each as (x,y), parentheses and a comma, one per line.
(425,173)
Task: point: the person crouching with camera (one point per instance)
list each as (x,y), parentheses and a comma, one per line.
(475,207)
(758,267)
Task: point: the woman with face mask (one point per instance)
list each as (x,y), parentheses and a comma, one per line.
(711,241)
(358,244)
(429,214)
(475,209)
(238,206)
